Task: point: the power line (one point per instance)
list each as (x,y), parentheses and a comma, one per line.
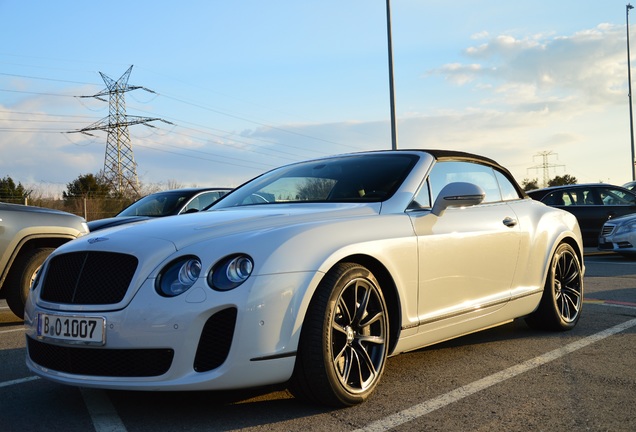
(225,137)
(120,168)
(44,79)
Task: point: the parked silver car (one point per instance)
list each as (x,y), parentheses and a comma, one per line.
(630,185)
(28,235)
(619,235)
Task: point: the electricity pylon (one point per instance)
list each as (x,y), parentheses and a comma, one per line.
(545,166)
(120,168)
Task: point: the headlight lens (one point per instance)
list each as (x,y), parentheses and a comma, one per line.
(178,276)
(629,227)
(230,272)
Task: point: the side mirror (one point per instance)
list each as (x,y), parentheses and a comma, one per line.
(458,194)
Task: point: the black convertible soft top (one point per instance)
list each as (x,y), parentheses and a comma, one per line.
(454,154)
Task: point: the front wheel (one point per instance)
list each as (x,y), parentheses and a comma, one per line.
(560,306)
(344,341)
(23,272)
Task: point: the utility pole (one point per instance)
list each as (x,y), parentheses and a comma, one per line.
(629,93)
(120,168)
(545,165)
(394,141)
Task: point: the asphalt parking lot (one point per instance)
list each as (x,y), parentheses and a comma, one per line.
(509,378)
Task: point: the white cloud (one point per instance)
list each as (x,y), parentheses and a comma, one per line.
(589,64)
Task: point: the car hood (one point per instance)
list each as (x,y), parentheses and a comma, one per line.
(629,218)
(99,224)
(33,209)
(184,230)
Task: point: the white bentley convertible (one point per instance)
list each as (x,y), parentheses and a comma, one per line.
(311,274)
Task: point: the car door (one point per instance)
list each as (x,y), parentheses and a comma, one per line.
(467,256)
(616,202)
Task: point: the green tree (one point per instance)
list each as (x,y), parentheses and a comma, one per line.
(10,192)
(566,179)
(87,186)
(530,184)
(92,197)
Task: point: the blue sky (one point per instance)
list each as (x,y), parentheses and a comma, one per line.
(251,84)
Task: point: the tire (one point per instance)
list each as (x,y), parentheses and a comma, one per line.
(23,272)
(560,306)
(344,339)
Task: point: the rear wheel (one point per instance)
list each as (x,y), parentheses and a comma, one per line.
(560,306)
(23,272)
(344,341)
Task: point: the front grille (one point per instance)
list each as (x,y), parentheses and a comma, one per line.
(216,340)
(88,278)
(100,361)
(607,230)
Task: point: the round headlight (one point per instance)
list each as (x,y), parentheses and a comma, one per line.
(230,272)
(178,276)
(625,228)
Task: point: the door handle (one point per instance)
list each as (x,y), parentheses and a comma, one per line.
(510,222)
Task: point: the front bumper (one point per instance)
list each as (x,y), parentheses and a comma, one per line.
(200,340)
(620,243)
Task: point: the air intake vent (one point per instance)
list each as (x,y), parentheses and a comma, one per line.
(101,361)
(216,340)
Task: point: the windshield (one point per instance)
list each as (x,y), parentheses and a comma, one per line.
(159,204)
(354,178)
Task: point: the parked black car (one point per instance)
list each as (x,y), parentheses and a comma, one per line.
(592,204)
(165,203)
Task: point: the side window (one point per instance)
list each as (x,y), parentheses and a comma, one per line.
(422,198)
(554,199)
(202,201)
(207,198)
(444,173)
(192,205)
(508,190)
(587,197)
(616,197)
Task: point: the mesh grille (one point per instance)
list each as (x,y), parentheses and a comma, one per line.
(100,361)
(88,278)
(216,340)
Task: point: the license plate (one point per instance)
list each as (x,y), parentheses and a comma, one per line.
(72,328)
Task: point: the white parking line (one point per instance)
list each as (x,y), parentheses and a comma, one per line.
(102,412)
(18,381)
(431,405)
(12,330)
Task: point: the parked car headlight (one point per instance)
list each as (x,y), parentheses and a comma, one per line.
(629,227)
(178,276)
(230,272)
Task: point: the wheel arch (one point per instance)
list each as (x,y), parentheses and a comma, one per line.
(28,244)
(389,291)
(573,243)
